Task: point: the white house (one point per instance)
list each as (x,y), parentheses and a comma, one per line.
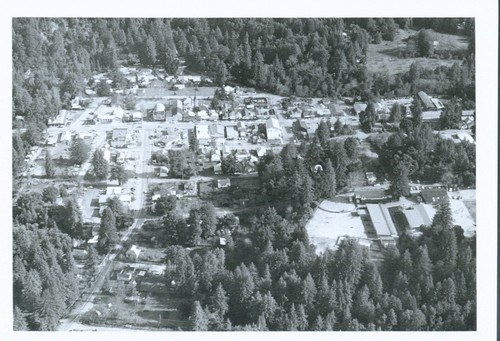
(273,130)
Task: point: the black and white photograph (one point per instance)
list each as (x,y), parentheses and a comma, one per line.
(181,173)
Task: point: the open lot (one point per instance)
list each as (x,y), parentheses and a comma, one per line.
(331,221)
(461,214)
(386,57)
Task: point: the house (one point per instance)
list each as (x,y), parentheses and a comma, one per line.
(242,155)
(260,102)
(105,114)
(418,215)
(382,223)
(261,151)
(217,131)
(178,87)
(302,128)
(124,275)
(132,253)
(218,169)
(60,120)
(370,178)
(273,130)
(159,113)
(457,136)
(65,137)
(359,107)
(51,140)
(215,156)
(433,196)
(242,129)
(119,138)
(178,107)
(231,132)
(189,116)
(336,109)
(163,172)
(371,195)
(106,154)
(125,199)
(103,200)
(202,115)
(223,183)
(137,116)
(120,157)
(201,134)
(213,115)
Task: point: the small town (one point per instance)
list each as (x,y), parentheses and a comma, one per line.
(191,201)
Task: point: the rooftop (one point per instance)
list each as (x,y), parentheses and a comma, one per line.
(382,221)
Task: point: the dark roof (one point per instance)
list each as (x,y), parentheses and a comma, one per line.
(378,193)
(432,195)
(426,100)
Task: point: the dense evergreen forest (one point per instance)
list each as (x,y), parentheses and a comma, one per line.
(269,266)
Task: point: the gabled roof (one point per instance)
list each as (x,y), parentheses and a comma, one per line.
(434,195)
(159,107)
(417,216)
(376,193)
(272,122)
(359,107)
(381,219)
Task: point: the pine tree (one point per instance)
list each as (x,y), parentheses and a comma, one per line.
(79,151)
(50,170)
(199,318)
(100,165)
(107,232)
(443,218)
(91,261)
(119,173)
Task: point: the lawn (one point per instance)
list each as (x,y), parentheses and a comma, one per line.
(333,220)
(160,312)
(386,57)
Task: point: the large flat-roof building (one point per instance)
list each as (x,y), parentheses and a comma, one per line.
(418,215)
(382,223)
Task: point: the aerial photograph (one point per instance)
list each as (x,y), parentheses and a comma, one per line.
(243,174)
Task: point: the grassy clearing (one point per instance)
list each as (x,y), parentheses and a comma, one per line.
(386,57)
(331,221)
(157,312)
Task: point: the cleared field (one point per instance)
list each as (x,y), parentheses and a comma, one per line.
(386,57)
(462,216)
(331,221)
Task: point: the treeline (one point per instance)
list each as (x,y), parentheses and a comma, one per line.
(315,170)
(44,274)
(419,154)
(305,57)
(272,279)
(457,81)
(45,282)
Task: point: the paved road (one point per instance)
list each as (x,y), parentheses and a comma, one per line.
(84,303)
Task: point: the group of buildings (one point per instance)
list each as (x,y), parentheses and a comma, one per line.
(387,218)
